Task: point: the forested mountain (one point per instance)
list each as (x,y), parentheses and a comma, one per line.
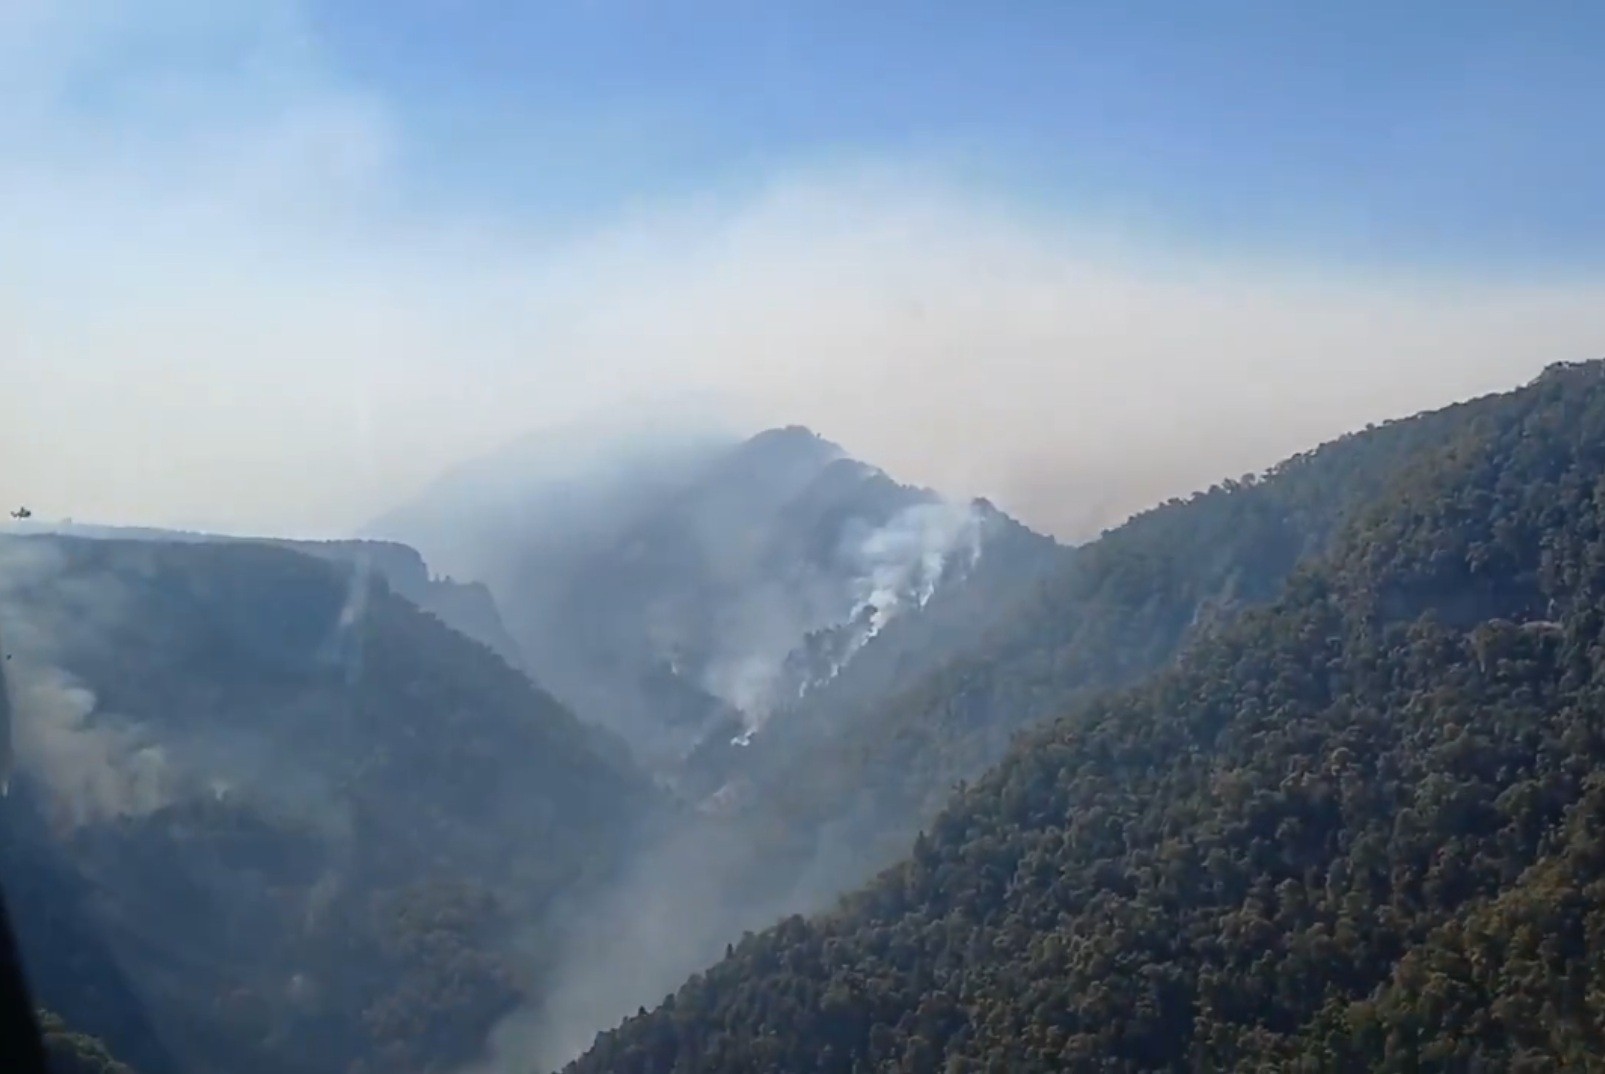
(825,800)
(1355,828)
(269,815)
(1114,610)
(836,788)
(696,595)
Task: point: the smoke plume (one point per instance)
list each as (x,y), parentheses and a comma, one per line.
(683,899)
(91,764)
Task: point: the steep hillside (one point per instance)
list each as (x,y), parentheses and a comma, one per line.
(848,800)
(284,818)
(845,674)
(734,582)
(835,788)
(1355,829)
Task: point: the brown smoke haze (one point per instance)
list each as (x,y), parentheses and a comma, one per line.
(214,312)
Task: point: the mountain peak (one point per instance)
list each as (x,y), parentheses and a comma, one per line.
(797,439)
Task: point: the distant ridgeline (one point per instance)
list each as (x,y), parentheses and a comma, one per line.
(1355,825)
(466,607)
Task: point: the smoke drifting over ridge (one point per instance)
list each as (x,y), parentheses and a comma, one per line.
(952,346)
(235,319)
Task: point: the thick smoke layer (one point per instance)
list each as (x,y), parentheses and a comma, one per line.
(246,256)
(1073,379)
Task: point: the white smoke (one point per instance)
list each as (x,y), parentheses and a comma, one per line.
(672,912)
(907,558)
(93,766)
(746,680)
(876,574)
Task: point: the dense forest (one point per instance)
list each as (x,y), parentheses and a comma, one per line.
(837,783)
(269,815)
(1356,828)
(844,786)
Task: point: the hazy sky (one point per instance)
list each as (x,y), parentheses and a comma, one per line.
(269,265)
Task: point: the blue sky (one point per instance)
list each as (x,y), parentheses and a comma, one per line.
(272,265)
(1456,133)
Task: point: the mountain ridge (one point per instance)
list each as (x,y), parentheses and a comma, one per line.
(686,619)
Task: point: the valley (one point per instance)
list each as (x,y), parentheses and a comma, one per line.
(927,790)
